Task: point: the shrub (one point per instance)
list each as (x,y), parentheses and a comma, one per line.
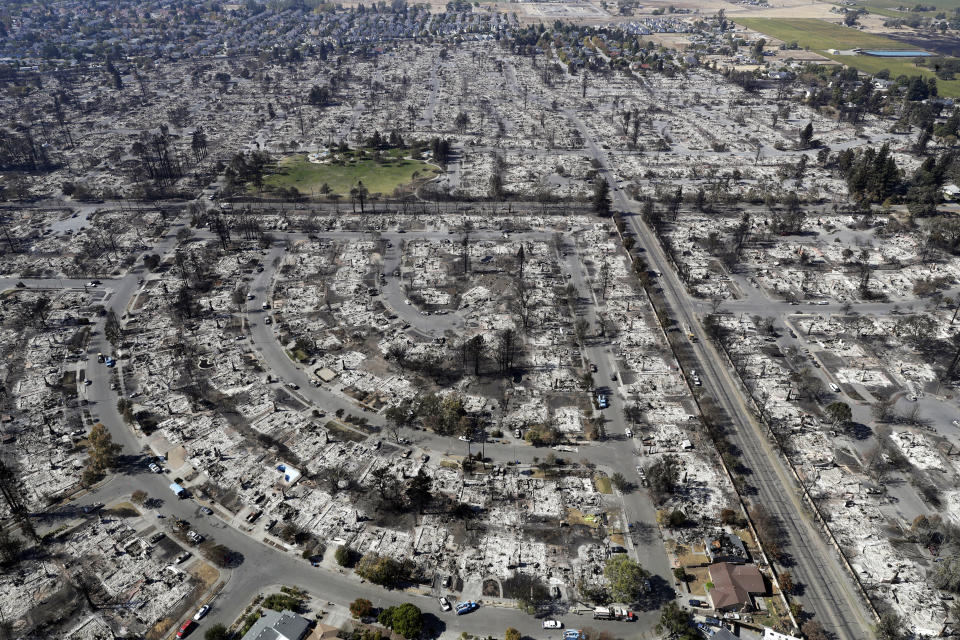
(343,556)
(281,601)
(361,608)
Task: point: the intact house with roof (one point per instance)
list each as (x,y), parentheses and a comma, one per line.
(278,625)
(734,586)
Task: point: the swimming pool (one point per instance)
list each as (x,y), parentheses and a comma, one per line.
(898,54)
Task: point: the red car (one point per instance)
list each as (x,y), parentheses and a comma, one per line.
(186,628)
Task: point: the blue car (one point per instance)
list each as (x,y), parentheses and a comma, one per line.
(466,607)
(572,634)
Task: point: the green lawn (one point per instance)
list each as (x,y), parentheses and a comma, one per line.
(343,174)
(819,35)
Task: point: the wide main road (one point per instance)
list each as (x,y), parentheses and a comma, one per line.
(828,590)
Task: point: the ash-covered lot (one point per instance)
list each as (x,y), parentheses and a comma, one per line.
(447,303)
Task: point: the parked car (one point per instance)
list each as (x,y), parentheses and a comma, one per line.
(700,604)
(186,628)
(183,557)
(834,387)
(206,511)
(153,467)
(466,607)
(201,612)
(444,603)
(552,624)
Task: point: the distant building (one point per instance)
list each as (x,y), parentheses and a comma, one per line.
(278,625)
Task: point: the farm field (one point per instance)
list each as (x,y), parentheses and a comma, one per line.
(896,67)
(943,5)
(886,13)
(819,35)
(378,177)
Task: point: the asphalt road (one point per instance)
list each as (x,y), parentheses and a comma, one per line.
(828,589)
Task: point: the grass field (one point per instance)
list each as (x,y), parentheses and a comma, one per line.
(886,13)
(345,172)
(896,67)
(944,5)
(819,35)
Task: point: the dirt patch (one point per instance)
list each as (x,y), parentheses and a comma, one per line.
(690,557)
(205,573)
(341,430)
(491,588)
(577,517)
(701,578)
(603,484)
(122,510)
(944,45)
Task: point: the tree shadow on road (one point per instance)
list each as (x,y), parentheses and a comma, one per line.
(433,627)
(858,430)
(661,592)
(644,533)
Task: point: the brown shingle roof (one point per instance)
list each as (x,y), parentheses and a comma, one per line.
(733,584)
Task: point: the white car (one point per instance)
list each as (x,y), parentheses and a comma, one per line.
(444,603)
(153,467)
(552,624)
(202,612)
(464,438)
(834,388)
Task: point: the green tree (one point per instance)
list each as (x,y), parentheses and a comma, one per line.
(101,448)
(601,196)
(675,622)
(216,632)
(461,122)
(112,330)
(361,608)
(890,627)
(839,412)
(512,634)
(343,556)
(663,476)
(625,577)
(406,619)
(381,570)
(418,491)
(806,136)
